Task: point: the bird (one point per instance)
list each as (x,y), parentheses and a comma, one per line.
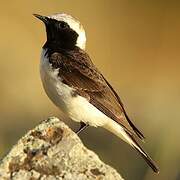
(75,85)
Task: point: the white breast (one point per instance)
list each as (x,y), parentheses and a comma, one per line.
(77,108)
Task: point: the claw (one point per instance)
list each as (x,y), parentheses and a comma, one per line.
(83,126)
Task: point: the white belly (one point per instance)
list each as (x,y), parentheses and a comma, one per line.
(77,108)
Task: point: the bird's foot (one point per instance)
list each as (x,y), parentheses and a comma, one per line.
(83,126)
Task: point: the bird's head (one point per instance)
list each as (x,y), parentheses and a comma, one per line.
(64,31)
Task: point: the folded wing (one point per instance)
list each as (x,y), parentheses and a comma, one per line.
(77,70)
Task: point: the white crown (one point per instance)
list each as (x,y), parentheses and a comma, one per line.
(75,25)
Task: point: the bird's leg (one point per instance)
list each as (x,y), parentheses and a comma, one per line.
(82,127)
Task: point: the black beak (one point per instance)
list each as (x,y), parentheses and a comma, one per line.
(42,18)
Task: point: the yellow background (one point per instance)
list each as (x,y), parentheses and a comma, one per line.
(136,44)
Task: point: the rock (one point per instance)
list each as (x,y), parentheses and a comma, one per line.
(53,151)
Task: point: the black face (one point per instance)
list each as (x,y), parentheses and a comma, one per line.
(59,34)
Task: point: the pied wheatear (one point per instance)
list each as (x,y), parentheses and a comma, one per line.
(77,87)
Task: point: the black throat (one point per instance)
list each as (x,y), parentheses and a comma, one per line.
(59,37)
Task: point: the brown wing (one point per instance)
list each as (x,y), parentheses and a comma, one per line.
(139,134)
(77,74)
(77,70)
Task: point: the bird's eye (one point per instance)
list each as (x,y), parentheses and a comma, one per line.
(63,25)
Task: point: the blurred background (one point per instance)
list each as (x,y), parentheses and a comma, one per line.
(136,44)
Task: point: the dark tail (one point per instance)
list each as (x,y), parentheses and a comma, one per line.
(145,156)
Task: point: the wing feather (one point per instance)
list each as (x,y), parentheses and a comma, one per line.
(77,70)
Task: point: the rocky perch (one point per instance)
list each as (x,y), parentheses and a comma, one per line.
(52,151)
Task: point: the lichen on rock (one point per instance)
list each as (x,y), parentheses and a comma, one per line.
(53,151)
